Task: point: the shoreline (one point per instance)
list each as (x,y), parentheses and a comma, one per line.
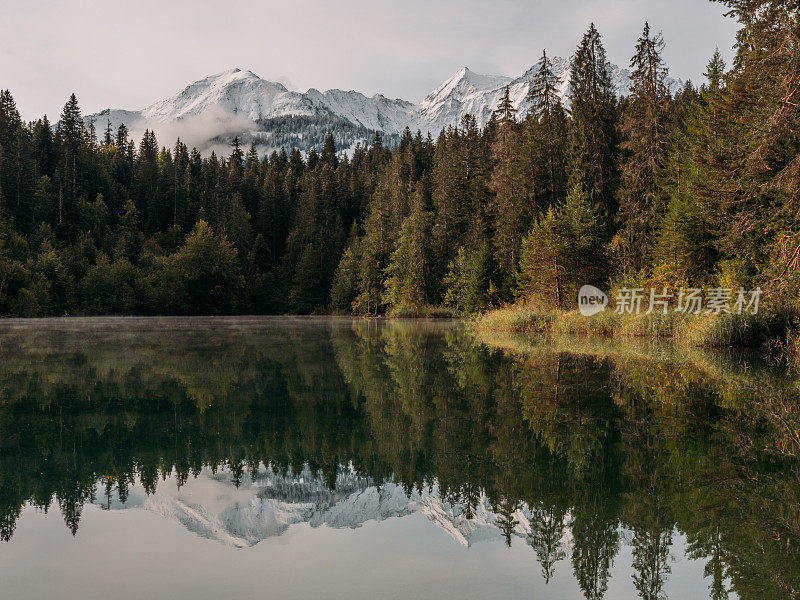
(778,329)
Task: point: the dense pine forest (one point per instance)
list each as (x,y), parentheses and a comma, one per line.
(653,189)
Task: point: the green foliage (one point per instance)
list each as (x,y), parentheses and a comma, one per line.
(110,287)
(646,129)
(203,277)
(512,210)
(653,188)
(592,132)
(408,280)
(563,252)
(546,138)
(345,280)
(471,281)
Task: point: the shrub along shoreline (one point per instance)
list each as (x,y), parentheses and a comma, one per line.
(773,329)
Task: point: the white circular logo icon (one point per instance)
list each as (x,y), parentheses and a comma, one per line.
(591,300)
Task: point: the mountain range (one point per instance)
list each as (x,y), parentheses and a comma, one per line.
(210,112)
(268,504)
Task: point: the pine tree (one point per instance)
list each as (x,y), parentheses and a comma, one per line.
(408,282)
(563,252)
(70,129)
(474,162)
(715,71)
(543,262)
(44,151)
(750,191)
(683,241)
(306,293)
(328,156)
(179,183)
(377,245)
(592,136)
(13,176)
(646,130)
(512,209)
(70,136)
(449,195)
(236,159)
(471,280)
(345,281)
(548,129)
(108,139)
(203,277)
(145,181)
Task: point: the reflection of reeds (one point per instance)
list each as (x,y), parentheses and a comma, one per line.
(709,331)
(425,311)
(726,363)
(752,381)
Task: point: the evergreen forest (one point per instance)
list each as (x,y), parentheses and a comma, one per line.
(698,188)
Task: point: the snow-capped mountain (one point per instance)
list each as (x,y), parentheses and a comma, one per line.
(267,505)
(467,92)
(243,93)
(210,112)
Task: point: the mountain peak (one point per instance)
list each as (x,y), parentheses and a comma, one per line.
(231,75)
(233,91)
(239,102)
(463,83)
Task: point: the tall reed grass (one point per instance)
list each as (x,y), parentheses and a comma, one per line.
(778,327)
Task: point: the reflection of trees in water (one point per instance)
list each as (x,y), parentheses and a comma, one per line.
(577,443)
(546,537)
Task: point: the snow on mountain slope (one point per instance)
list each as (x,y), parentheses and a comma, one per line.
(211,111)
(114,118)
(234,91)
(237,102)
(210,506)
(478,95)
(464,93)
(377,113)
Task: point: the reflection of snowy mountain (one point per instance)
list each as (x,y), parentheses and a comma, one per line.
(266,506)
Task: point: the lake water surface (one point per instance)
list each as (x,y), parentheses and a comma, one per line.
(338,458)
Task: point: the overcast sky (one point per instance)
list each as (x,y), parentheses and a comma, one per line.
(127,55)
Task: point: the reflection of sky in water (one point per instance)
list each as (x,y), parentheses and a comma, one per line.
(209,540)
(590,433)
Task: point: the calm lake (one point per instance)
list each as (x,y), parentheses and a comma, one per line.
(339,458)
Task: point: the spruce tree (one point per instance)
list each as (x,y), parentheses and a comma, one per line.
(145,180)
(548,131)
(329,152)
(71,136)
(345,281)
(563,252)
(44,151)
(17,169)
(236,158)
(449,195)
(408,282)
(646,130)
(715,71)
(512,209)
(592,132)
